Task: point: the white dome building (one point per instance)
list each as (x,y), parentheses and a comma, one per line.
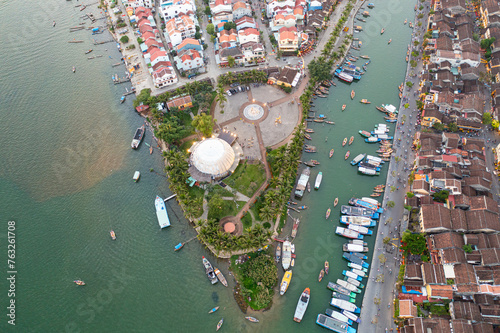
(212,156)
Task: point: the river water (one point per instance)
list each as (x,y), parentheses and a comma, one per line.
(66,180)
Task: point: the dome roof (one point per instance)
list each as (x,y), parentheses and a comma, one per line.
(229,227)
(212,156)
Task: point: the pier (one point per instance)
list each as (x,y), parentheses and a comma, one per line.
(170,197)
(103,42)
(121,80)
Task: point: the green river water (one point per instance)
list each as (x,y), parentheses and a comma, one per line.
(66,179)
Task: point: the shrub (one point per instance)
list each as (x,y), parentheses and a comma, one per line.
(267,225)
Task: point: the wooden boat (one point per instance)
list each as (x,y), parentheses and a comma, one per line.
(74,69)
(411,25)
(112,234)
(364,101)
(308,137)
(353,94)
(407,59)
(79,282)
(220,324)
(329,122)
(335,202)
(318,120)
(351,140)
(331,152)
(295,228)
(389,42)
(309,130)
(378,191)
(344,142)
(400,95)
(285,282)
(88,51)
(308,190)
(328,213)
(406,20)
(343,107)
(321,275)
(214,309)
(179,246)
(278,253)
(364,57)
(221,277)
(375,195)
(252,319)
(347,155)
(365,133)
(382,31)
(327,267)
(380,186)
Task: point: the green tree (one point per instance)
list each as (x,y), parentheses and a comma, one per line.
(208,12)
(386,239)
(416,43)
(391,204)
(197,35)
(487,118)
(486,43)
(382,259)
(204,123)
(414,243)
(124,39)
(319,70)
(467,248)
(171,130)
(229,25)
(139,40)
(409,84)
(413,63)
(420,104)
(440,196)
(215,205)
(495,124)
(438,126)
(453,127)
(410,195)
(210,29)
(231,61)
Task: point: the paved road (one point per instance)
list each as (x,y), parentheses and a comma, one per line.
(380,317)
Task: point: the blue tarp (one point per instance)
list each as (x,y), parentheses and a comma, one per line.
(414,292)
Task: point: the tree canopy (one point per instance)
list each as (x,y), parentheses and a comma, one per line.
(229,25)
(203,123)
(414,243)
(319,69)
(440,196)
(453,127)
(171,130)
(487,118)
(210,29)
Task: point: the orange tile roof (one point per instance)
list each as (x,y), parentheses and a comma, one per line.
(441,291)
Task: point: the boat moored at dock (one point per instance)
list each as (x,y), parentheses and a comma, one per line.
(317,183)
(209,270)
(333,324)
(286,255)
(285,282)
(348,233)
(161,213)
(138,136)
(344,305)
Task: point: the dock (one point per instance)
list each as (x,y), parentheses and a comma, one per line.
(75,41)
(104,42)
(121,80)
(170,197)
(129,93)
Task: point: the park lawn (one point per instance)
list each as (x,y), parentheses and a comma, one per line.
(247,178)
(228,209)
(247,221)
(221,191)
(196,192)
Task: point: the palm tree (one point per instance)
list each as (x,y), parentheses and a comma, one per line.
(265,213)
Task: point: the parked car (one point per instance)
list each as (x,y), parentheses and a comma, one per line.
(235,84)
(248,88)
(233,91)
(228,92)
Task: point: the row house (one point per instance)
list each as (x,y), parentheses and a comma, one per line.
(138,3)
(188,60)
(245,22)
(241,9)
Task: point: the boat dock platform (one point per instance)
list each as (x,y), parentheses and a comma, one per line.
(121,80)
(170,197)
(130,93)
(104,42)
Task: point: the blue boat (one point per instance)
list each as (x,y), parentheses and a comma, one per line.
(355,75)
(363,204)
(372,139)
(355,260)
(391,120)
(369,166)
(178,246)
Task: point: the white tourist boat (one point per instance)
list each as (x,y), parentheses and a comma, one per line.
(286,255)
(161,213)
(358,272)
(359,220)
(360,229)
(351,316)
(319,177)
(348,233)
(348,286)
(301,308)
(354,248)
(345,305)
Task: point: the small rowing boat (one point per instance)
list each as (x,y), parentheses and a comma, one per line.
(351,140)
(353,94)
(321,275)
(364,57)
(220,324)
(406,21)
(328,213)
(309,130)
(344,142)
(252,319)
(112,234)
(389,42)
(327,267)
(343,107)
(331,152)
(347,155)
(308,137)
(364,101)
(335,202)
(79,282)
(375,195)
(382,31)
(221,277)
(214,309)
